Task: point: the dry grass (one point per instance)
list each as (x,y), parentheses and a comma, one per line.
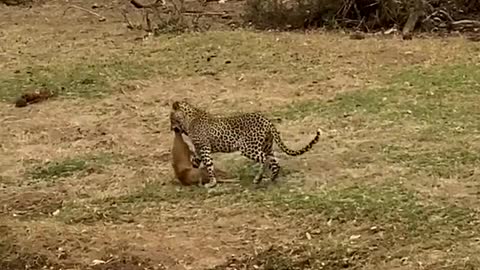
(86,176)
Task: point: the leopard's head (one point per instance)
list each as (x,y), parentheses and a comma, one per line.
(181,116)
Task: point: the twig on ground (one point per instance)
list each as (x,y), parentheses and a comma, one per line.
(137,4)
(203,13)
(466,23)
(100,17)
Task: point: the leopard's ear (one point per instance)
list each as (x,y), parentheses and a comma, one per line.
(176,105)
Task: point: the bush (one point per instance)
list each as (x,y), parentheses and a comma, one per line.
(278,14)
(360,14)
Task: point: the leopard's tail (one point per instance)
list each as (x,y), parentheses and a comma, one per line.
(278,140)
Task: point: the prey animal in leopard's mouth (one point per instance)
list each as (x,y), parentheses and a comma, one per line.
(175,126)
(177,129)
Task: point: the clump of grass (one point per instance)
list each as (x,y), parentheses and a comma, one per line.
(68,167)
(53,170)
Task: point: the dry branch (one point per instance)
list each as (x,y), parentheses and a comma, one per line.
(204,13)
(169,16)
(159,3)
(465,24)
(100,17)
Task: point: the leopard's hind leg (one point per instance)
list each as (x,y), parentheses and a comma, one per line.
(270,159)
(274,167)
(256,154)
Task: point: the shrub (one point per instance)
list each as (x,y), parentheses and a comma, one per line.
(360,14)
(295,14)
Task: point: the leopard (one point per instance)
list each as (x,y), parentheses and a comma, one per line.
(184,167)
(250,133)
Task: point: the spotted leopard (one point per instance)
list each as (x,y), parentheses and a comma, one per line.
(250,133)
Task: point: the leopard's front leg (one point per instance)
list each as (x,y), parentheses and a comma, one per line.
(205,152)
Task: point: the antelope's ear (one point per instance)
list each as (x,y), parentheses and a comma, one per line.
(176,105)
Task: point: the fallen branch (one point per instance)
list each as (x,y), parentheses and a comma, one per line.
(100,17)
(203,13)
(159,3)
(137,4)
(466,23)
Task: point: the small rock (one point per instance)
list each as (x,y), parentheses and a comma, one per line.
(97,262)
(354,237)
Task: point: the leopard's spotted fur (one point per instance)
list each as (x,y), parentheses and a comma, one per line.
(250,133)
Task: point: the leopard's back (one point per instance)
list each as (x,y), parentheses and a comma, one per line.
(230,133)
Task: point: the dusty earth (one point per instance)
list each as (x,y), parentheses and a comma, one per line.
(86,180)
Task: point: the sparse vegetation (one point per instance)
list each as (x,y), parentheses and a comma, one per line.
(86,183)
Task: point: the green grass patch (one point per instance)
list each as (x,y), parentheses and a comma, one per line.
(88,79)
(437,107)
(388,203)
(447,161)
(52,170)
(385,205)
(446,96)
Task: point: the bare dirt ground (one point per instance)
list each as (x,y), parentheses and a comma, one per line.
(85,178)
